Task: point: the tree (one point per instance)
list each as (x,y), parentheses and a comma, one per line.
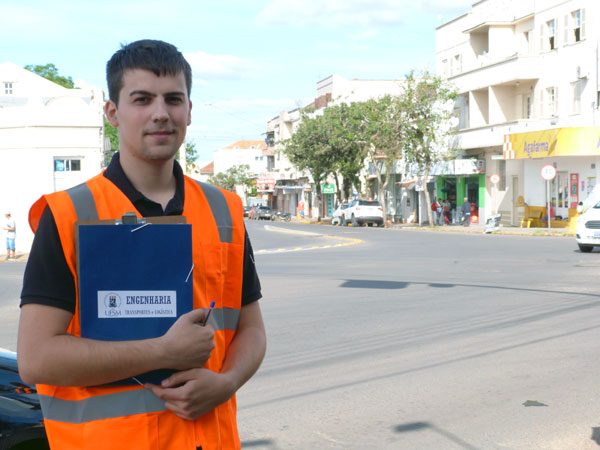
(232,177)
(309,148)
(112,134)
(191,156)
(428,118)
(347,152)
(50,72)
(379,129)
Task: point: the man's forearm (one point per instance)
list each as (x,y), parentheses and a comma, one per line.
(66,360)
(46,354)
(247,349)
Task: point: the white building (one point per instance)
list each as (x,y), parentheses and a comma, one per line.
(527,77)
(248,152)
(51,138)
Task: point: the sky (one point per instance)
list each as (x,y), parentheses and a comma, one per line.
(251,59)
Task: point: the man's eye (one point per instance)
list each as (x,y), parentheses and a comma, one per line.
(140,100)
(174,99)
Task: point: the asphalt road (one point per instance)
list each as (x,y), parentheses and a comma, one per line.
(397,339)
(423,340)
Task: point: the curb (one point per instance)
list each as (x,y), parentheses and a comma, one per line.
(507,231)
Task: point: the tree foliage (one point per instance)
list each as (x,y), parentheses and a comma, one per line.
(411,126)
(236,175)
(50,72)
(112,134)
(310,148)
(191,156)
(428,120)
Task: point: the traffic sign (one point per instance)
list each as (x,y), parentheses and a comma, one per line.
(495,178)
(548,172)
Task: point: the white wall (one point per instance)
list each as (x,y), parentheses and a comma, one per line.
(39,122)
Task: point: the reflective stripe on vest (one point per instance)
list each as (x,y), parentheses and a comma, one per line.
(108,406)
(220,211)
(83,202)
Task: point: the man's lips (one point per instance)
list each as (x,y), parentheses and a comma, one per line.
(160,133)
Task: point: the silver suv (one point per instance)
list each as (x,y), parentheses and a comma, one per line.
(361,212)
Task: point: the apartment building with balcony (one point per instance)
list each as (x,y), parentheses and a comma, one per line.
(527,77)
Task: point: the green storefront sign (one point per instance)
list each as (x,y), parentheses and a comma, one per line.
(328,188)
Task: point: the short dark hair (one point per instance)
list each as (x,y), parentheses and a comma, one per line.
(158,57)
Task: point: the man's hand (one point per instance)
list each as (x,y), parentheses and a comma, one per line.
(192,393)
(187,344)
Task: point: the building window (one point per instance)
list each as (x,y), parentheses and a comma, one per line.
(527,107)
(502,173)
(67,165)
(551,103)
(578,26)
(456,64)
(577,90)
(551,34)
(445,73)
(8,88)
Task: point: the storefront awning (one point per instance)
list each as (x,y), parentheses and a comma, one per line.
(582,141)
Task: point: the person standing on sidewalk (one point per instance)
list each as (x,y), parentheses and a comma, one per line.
(465,209)
(436,209)
(11,234)
(446,207)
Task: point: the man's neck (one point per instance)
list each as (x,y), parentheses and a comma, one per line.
(153,179)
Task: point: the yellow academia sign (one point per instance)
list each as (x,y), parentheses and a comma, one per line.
(583,141)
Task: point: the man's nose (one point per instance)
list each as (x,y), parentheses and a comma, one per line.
(160,113)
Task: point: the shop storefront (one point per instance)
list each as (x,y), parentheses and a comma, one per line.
(574,152)
(458,179)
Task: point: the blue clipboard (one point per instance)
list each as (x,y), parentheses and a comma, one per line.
(135,280)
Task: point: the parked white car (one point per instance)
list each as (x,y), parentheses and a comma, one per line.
(587,232)
(361,212)
(337,218)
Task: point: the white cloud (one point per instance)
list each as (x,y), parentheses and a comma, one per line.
(220,67)
(332,13)
(353,13)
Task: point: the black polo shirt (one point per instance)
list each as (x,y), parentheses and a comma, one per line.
(48,280)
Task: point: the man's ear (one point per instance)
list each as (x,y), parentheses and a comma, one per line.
(189,120)
(110,111)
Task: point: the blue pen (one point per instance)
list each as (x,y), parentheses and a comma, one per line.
(212,305)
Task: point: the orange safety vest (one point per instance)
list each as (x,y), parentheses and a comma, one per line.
(131,417)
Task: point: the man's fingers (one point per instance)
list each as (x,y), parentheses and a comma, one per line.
(175,409)
(179,378)
(196,315)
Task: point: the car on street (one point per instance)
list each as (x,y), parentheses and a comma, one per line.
(21,420)
(587,231)
(337,218)
(247,210)
(263,213)
(361,212)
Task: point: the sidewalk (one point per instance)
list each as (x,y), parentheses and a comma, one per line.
(19,257)
(476,228)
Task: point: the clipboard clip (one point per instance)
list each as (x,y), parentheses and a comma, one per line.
(130,218)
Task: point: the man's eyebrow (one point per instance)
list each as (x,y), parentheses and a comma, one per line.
(141,92)
(150,94)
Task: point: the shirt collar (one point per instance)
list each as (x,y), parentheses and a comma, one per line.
(114,172)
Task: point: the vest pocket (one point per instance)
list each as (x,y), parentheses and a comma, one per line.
(139,432)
